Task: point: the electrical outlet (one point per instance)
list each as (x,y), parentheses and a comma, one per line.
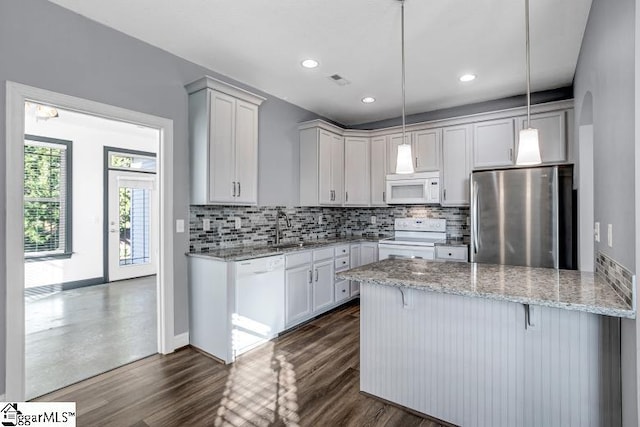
(179,225)
(373,219)
(238,222)
(320,219)
(596,231)
(610,235)
(206,224)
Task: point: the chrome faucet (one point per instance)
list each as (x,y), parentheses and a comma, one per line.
(279,215)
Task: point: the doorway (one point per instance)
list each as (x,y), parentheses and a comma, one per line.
(131,212)
(17,96)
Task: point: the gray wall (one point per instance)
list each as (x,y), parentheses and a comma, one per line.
(49,47)
(605,71)
(480,107)
(605,80)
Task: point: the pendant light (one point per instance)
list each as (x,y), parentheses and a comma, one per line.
(528,142)
(404,162)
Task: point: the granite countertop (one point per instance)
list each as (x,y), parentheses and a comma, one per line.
(566,289)
(243,253)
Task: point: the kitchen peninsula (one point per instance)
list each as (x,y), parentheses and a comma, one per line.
(490,345)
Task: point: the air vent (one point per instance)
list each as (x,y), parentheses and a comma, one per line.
(339,80)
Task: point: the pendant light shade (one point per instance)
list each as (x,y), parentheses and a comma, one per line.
(528,143)
(528,148)
(404,161)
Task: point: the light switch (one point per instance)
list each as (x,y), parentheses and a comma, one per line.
(610,235)
(179,225)
(373,219)
(596,231)
(206,224)
(320,219)
(238,222)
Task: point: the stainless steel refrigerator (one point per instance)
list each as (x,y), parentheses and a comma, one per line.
(524,216)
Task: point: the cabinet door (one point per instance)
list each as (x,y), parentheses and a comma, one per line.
(455,165)
(325,190)
(337,169)
(392,150)
(552,135)
(222,148)
(246,153)
(323,278)
(297,293)
(493,143)
(354,286)
(426,146)
(356,172)
(378,170)
(368,253)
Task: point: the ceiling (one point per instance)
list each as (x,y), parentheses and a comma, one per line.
(262,42)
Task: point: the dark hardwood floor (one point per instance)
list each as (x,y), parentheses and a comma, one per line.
(308,377)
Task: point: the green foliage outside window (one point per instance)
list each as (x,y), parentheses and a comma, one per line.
(44,198)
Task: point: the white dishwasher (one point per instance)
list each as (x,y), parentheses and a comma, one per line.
(259,302)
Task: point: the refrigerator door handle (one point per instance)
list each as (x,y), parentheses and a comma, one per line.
(476,218)
(555,211)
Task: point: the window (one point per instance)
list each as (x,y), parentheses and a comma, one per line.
(47,197)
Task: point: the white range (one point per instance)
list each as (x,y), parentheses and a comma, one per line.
(413,238)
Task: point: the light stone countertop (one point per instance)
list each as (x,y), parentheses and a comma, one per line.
(566,289)
(243,253)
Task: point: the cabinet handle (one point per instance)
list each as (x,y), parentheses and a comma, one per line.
(239,189)
(310,276)
(416,162)
(234,189)
(384,196)
(316,274)
(511,154)
(346,196)
(344,290)
(444,195)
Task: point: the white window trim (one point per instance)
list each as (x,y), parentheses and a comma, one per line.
(17,94)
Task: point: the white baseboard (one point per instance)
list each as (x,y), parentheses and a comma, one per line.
(181,340)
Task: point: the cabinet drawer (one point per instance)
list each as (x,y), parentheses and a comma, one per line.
(452,253)
(342,263)
(342,290)
(299,258)
(320,254)
(342,250)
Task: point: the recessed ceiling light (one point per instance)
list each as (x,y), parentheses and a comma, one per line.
(467,77)
(310,63)
(368,99)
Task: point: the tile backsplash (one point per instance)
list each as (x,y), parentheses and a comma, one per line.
(258,223)
(616,275)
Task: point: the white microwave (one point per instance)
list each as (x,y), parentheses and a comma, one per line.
(416,188)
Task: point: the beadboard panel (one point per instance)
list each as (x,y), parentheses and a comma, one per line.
(472,362)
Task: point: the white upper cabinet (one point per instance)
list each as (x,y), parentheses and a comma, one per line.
(493,143)
(456,165)
(321,167)
(392,149)
(378,170)
(552,134)
(426,146)
(223,138)
(356,172)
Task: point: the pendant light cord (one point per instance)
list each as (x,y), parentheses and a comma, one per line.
(526,14)
(404,138)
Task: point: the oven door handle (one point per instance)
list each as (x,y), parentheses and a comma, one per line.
(405,256)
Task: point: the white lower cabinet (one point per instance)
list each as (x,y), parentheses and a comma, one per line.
(368,253)
(310,284)
(297,294)
(323,277)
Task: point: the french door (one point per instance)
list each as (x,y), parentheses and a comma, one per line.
(132,223)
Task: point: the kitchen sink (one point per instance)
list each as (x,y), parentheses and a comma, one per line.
(291,245)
